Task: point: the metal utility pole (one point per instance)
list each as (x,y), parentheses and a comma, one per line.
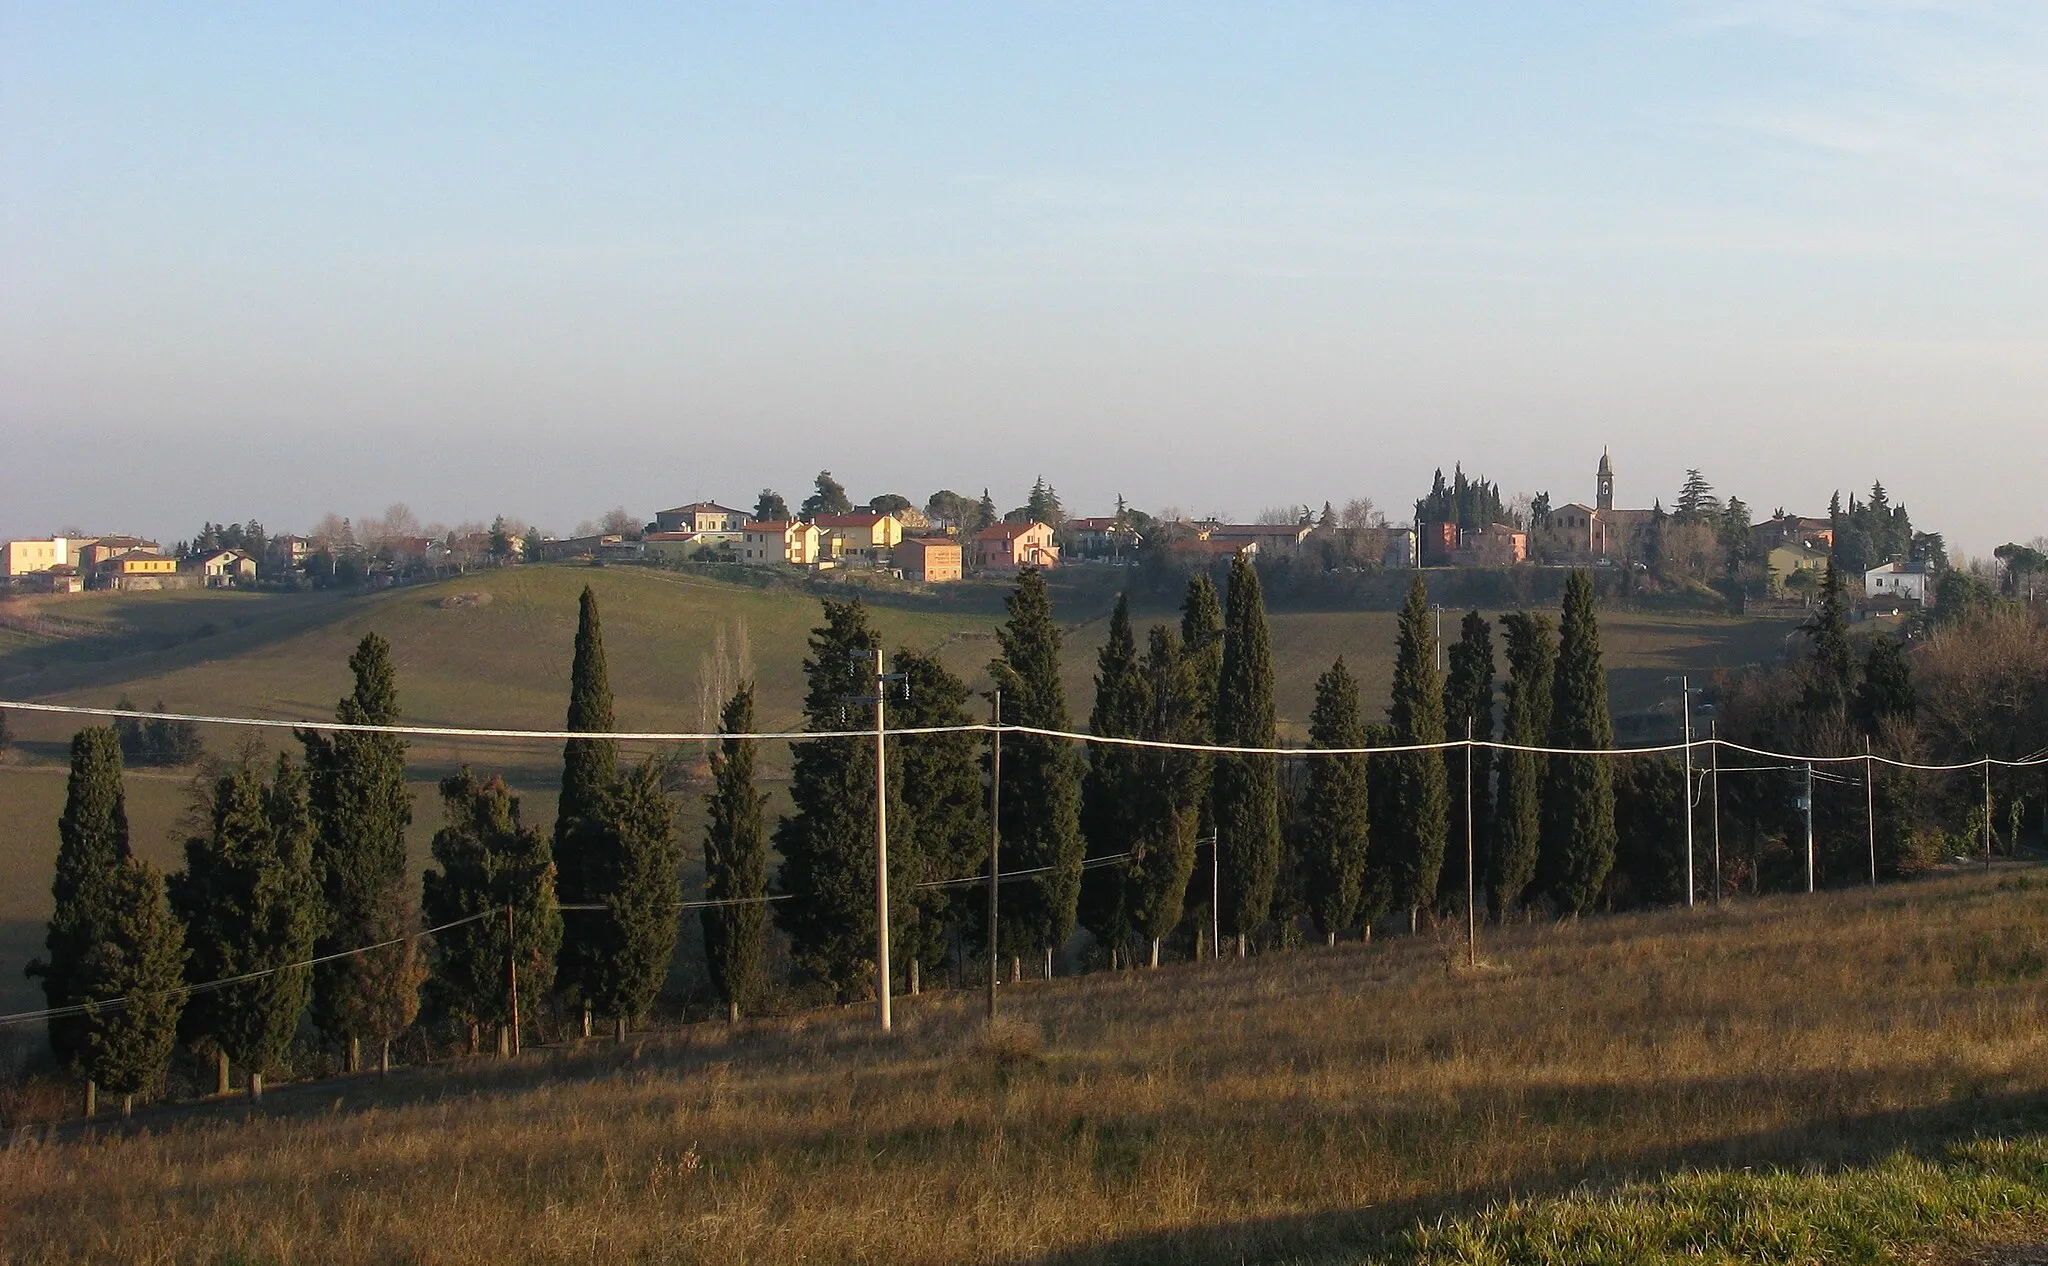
(1471,883)
(1714,755)
(995,835)
(881,849)
(1870,807)
(1806,803)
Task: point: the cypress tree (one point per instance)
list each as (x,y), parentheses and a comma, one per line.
(1887,688)
(1169,793)
(828,843)
(1649,830)
(1578,791)
(1420,796)
(1518,832)
(1468,693)
(92,847)
(1337,810)
(361,809)
(585,827)
(1246,795)
(1041,792)
(250,902)
(1201,649)
(947,806)
(644,887)
(736,864)
(1109,801)
(139,955)
(1830,675)
(489,860)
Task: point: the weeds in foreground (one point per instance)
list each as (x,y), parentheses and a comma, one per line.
(1801,1068)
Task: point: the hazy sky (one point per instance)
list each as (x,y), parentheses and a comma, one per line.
(280,259)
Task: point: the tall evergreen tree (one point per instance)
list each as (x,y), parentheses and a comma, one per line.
(1337,811)
(1170,790)
(1414,833)
(643,890)
(1246,795)
(1830,675)
(1887,689)
(488,862)
(1468,695)
(139,955)
(1109,802)
(361,809)
(828,843)
(1041,792)
(586,832)
(736,865)
(1518,832)
(1649,828)
(251,903)
(1578,791)
(946,803)
(829,498)
(92,847)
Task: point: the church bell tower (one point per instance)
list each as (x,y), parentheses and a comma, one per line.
(1603,484)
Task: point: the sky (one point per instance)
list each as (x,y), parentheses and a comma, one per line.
(273,261)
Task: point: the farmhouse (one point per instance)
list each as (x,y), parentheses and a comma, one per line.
(1002,548)
(931,559)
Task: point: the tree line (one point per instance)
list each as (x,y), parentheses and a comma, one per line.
(303,857)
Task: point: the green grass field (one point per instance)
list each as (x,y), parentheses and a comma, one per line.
(505,663)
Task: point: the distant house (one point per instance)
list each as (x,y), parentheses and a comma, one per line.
(581,546)
(1491,545)
(1789,559)
(865,537)
(138,570)
(224,569)
(406,549)
(702,516)
(676,546)
(1793,529)
(768,542)
(931,559)
(285,551)
(97,552)
(1899,580)
(28,557)
(1278,540)
(1200,552)
(1010,547)
(1097,537)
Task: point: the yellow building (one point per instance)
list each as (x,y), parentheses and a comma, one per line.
(765,544)
(26,558)
(866,537)
(1788,560)
(138,571)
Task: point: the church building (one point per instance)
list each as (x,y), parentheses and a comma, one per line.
(1577,533)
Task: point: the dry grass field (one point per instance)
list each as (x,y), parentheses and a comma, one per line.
(1856,1076)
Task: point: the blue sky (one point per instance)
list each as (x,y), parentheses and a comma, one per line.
(280,260)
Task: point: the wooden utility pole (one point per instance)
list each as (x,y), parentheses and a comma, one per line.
(512,973)
(995,837)
(1714,755)
(1806,803)
(881,849)
(1870,807)
(1685,707)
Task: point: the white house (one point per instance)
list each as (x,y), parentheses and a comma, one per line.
(1899,580)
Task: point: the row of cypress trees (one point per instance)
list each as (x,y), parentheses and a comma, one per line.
(310,861)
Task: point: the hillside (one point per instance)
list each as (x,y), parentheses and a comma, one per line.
(1852,1077)
(493,650)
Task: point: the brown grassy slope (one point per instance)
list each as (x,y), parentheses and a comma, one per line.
(1295,1108)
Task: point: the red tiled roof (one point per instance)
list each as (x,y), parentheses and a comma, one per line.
(848,520)
(1007,531)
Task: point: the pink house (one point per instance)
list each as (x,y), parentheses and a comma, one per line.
(1010,547)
